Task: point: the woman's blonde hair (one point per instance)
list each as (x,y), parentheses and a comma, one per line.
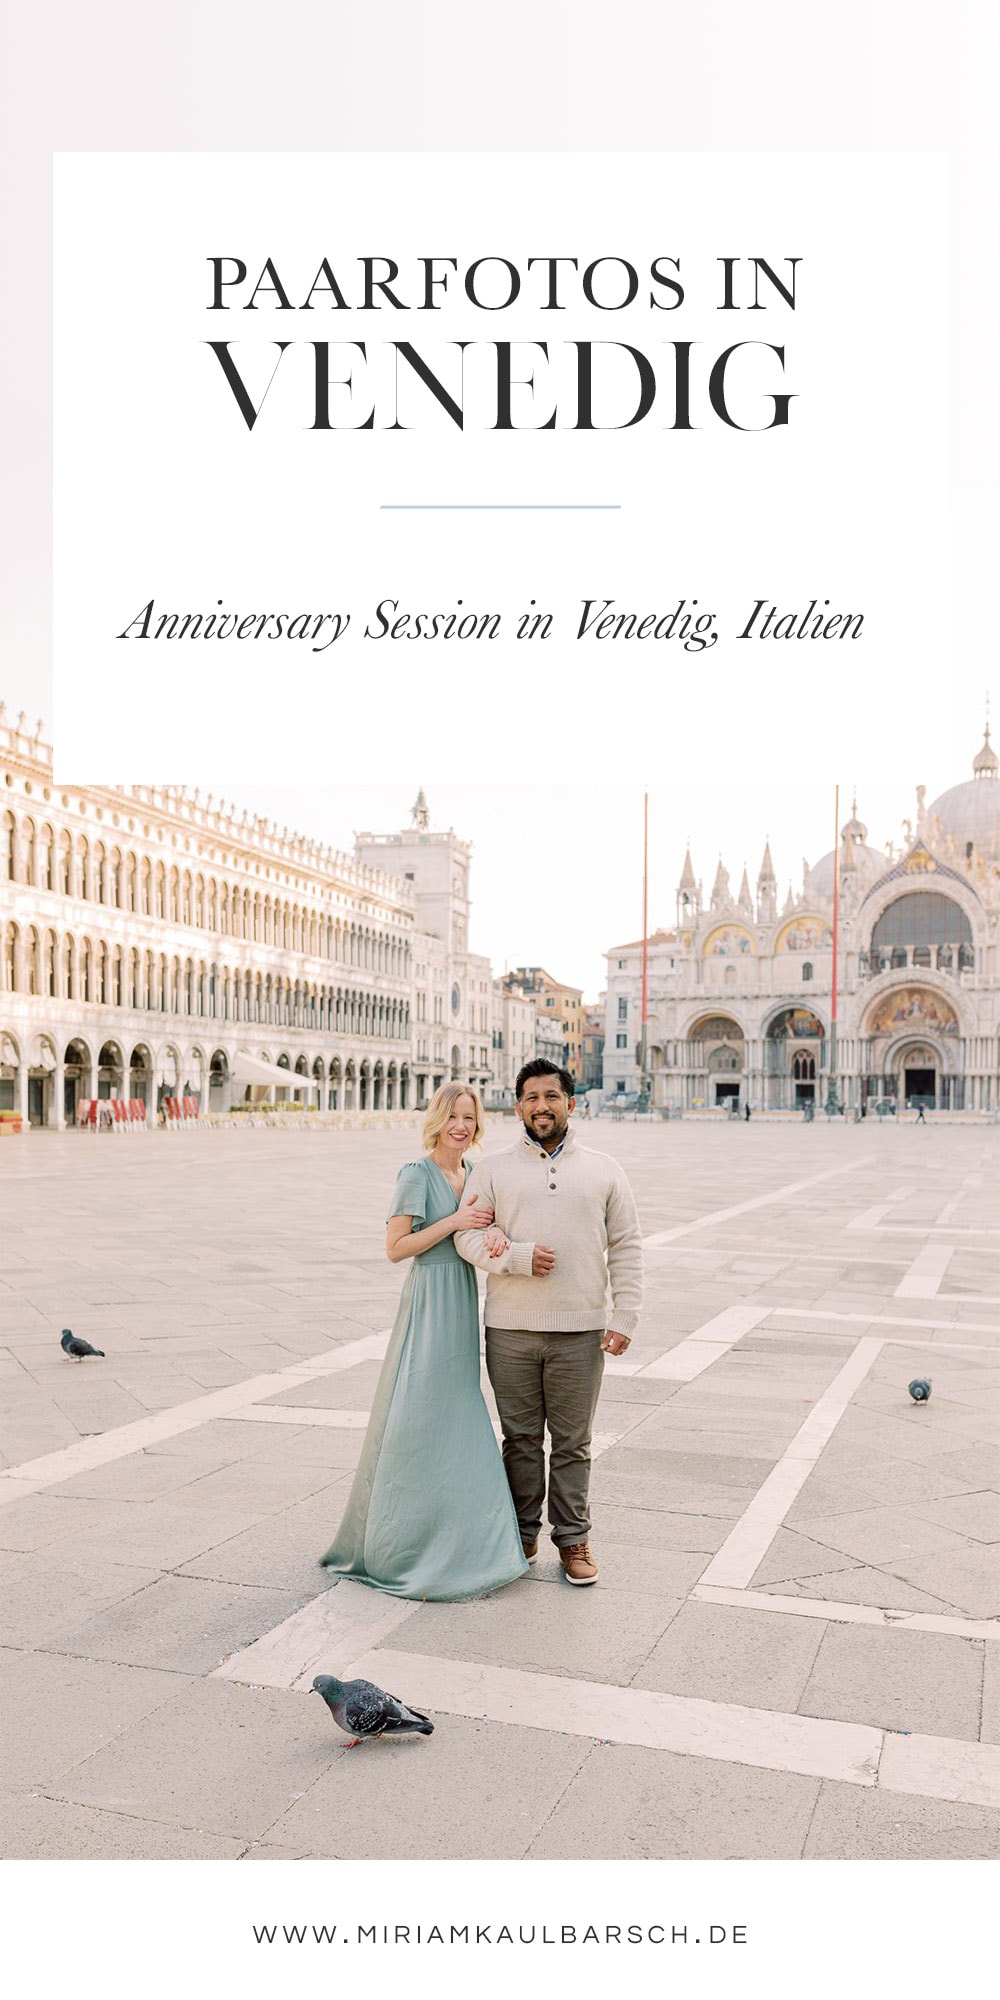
(442,1105)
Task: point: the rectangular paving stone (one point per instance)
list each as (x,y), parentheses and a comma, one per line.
(247,1754)
(593,1634)
(143,1475)
(860,1584)
(884,1535)
(413,1799)
(926,1681)
(671,1494)
(648,1572)
(791,1555)
(753,1658)
(631,1458)
(990,1728)
(184,1623)
(57,1711)
(50,1592)
(658,1529)
(164,1533)
(973,1514)
(970,1577)
(44,1829)
(632,1804)
(280,1550)
(853,1823)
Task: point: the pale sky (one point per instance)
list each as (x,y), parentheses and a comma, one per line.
(557,871)
(556,875)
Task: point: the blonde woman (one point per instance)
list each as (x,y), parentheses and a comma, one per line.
(430,1513)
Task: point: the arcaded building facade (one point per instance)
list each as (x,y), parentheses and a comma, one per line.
(155,943)
(740,991)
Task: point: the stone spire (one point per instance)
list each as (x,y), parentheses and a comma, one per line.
(985,763)
(720,887)
(688,892)
(854,828)
(767,888)
(743,898)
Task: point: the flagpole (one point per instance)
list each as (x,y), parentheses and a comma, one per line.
(643,1077)
(832,1099)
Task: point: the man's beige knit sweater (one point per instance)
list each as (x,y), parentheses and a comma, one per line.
(578,1204)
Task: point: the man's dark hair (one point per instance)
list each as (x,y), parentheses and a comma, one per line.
(541,1066)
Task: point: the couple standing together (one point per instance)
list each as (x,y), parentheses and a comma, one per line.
(433,1512)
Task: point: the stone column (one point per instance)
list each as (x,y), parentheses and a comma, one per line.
(57,1109)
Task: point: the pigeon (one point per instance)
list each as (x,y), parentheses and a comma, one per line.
(920,1389)
(365,1710)
(76,1349)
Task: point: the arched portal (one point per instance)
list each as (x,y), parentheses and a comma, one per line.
(916,1048)
(140,1078)
(716,1055)
(110,1071)
(218,1080)
(76,1072)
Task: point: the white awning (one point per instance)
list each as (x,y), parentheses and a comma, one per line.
(251,1069)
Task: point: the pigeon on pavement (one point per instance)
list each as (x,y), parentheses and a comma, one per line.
(76,1349)
(920,1389)
(364,1710)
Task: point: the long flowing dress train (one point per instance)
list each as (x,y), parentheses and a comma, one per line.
(430,1513)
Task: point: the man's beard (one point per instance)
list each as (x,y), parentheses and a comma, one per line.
(550,1130)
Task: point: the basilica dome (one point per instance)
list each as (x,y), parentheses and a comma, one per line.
(970,813)
(867,861)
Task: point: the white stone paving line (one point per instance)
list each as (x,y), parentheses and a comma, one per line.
(287,1413)
(890,1339)
(849,1752)
(948,1229)
(748,1542)
(937,1767)
(870,1218)
(697,1352)
(851,1614)
(923,1279)
(880,1320)
(327,1633)
(17,1482)
(357,1420)
(37,1473)
(318,1639)
(744,1207)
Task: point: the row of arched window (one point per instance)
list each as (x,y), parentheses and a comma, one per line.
(108,975)
(94,872)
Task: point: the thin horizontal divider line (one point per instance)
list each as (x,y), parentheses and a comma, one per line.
(500,507)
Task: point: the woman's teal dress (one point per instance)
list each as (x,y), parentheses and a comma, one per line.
(430,1513)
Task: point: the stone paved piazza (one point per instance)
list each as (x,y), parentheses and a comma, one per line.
(793,1646)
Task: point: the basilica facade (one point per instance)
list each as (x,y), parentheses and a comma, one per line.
(740,991)
(156,944)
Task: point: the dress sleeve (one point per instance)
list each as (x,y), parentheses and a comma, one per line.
(410,1194)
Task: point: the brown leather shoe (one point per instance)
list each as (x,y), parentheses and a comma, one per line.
(578,1563)
(530,1549)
